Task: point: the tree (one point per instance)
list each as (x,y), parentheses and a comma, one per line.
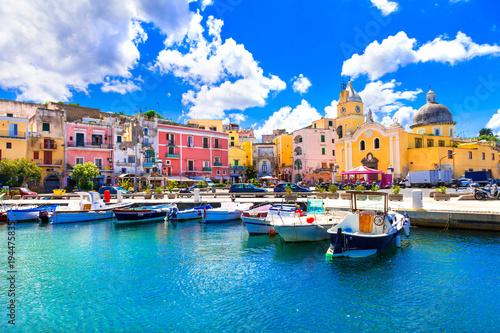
(152,113)
(83,174)
(250,172)
(20,171)
(486,132)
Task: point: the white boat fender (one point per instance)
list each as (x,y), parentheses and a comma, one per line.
(406,227)
(398,240)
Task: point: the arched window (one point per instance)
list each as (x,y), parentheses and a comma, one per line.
(362,145)
(298,164)
(298,151)
(376,143)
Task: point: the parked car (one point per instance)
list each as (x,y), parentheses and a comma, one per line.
(245,188)
(461,182)
(113,190)
(295,188)
(22,191)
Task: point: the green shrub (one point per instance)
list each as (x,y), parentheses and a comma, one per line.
(347,188)
(441,189)
(333,188)
(359,188)
(375,188)
(14,192)
(396,189)
(4,190)
(288,190)
(158,190)
(147,191)
(320,189)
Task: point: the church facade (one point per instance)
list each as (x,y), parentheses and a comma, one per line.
(430,146)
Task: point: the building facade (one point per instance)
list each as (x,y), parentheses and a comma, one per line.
(13,137)
(187,151)
(284,157)
(264,159)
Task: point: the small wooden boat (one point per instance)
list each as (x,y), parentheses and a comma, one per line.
(229,211)
(27,213)
(89,208)
(143,214)
(190,213)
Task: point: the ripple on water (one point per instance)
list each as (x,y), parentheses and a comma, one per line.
(192,277)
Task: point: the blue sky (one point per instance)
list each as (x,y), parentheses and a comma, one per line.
(262,64)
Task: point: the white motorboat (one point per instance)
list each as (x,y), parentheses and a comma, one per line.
(311,227)
(260,220)
(27,213)
(189,214)
(369,228)
(228,211)
(89,208)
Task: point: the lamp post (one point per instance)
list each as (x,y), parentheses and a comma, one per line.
(449,156)
(390,170)
(334,173)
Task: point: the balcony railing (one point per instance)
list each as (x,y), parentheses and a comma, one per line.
(172,155)
(43,161)
(237,166)
(9,134)
(148,164)
(217,164)
(48,145)
(120,163)
(89,145)
(171,143)
(206,169)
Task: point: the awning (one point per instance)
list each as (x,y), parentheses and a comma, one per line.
(361,170)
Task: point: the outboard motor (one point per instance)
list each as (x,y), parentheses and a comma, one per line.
(44,216)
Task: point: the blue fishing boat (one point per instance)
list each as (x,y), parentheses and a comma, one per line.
(28,213)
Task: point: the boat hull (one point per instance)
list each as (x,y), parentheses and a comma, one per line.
(139,216)
(81,216)
(257,226)
(213,216)
(20,215)
(303,232)
(188,215)
(355,242)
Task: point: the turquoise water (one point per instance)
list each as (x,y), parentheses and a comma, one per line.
(193,277)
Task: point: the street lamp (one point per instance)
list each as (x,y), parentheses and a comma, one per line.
(334,173)
(449,156)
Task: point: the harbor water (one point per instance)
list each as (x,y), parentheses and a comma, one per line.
(190,277)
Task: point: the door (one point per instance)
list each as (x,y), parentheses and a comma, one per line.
(191,165)
(80,140)
(51,183)
(47,157)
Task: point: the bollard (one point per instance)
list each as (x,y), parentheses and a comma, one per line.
(196,195)
(417,199)
(119,197)
(107,196)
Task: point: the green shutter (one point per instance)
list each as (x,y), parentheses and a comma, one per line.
(322,138)
(46,127)
(323,151)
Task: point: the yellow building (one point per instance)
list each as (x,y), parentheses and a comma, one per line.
(208,124)
(248,148)
(13,138)
(284,156)
(431,145)
(237,163)
(234,138)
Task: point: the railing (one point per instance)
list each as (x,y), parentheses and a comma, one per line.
(217,164)
(206,146)
(172,155)
(35,134)
(48,145)
(171,143)
(89,145)
(119,163)
(43,161)
(237,166)
(8,134)
(206,169)
(148,164)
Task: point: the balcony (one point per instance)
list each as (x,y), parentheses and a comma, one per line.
(172,155)
(171,143)
(120,163)
(9,134)
(44,162)
(217,164)
(206,169)
(93,145)
(147,144)
(237,167)
(148,164)
(48,145)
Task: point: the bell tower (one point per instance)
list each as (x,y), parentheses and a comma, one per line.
(350,113)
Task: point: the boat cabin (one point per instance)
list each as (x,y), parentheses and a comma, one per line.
(88,201)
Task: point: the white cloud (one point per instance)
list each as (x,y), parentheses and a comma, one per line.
(224,75)
(301,84)
(55,49)
(398,51)
(404,116)
(494,122)
(385,6)
(331,110)
(119,86)
(289,119)
(382,97)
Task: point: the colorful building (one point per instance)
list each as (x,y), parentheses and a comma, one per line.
(284,156)
(237,163)
(208,124)
(46,146)
(13,137)
(314,152)
(192,152)
(89,140)
(431,146)
(264,159)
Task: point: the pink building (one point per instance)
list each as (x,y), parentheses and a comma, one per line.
(89,140)
(191,152)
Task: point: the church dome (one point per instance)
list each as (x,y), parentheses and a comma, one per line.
(432,113)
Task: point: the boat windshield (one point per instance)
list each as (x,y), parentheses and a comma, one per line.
(369,202)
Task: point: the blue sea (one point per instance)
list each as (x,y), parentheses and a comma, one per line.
(190,277)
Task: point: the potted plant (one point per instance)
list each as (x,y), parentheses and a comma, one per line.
(321,192)
(15,194)
(170,187)
(394,195)
(441,194)
(289,196)
(346,195)
(147,194)
(159,193)
(333,192)
(6,195)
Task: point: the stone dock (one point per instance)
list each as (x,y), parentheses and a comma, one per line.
(452,214)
